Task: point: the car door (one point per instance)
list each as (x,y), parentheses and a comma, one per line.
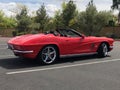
(74,43)
(77,45)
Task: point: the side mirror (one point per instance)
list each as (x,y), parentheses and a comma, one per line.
(83,36)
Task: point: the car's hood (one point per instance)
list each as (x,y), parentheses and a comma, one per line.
(25,38)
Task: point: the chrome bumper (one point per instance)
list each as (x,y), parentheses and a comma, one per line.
(23,52)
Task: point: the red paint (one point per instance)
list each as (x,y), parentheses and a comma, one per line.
(66,45)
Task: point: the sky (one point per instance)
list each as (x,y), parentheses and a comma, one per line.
(8,6)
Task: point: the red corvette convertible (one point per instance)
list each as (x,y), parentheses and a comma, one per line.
(48,47)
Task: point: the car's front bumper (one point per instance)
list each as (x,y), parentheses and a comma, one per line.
(22,52)
(26,54)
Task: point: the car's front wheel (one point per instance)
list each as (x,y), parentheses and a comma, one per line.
(103,50)
(48,55)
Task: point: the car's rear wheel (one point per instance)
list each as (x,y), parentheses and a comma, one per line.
(48,55)
(103,50)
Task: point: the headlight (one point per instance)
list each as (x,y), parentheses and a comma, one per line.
(17,47)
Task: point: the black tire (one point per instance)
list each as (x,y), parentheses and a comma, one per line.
(48,55)
(103,50)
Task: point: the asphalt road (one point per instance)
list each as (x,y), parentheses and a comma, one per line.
(75,73)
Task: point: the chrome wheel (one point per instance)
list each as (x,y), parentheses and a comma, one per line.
(105,49)
(48,55)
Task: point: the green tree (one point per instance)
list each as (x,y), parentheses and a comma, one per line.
(91,21)
(50,25)
(23,20)
(58,20)
(115,5)
(68,12)
(41,18)
(9,22)
(34,26)
(1,19)
(74,21)
(88,18)
(6,22)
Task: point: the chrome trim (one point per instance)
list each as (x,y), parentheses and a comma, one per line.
(10,46)
(18,51)
(73,55)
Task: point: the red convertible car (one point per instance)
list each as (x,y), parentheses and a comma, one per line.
(48,47)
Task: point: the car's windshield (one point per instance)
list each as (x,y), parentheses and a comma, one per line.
(64,33)
(68,33)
